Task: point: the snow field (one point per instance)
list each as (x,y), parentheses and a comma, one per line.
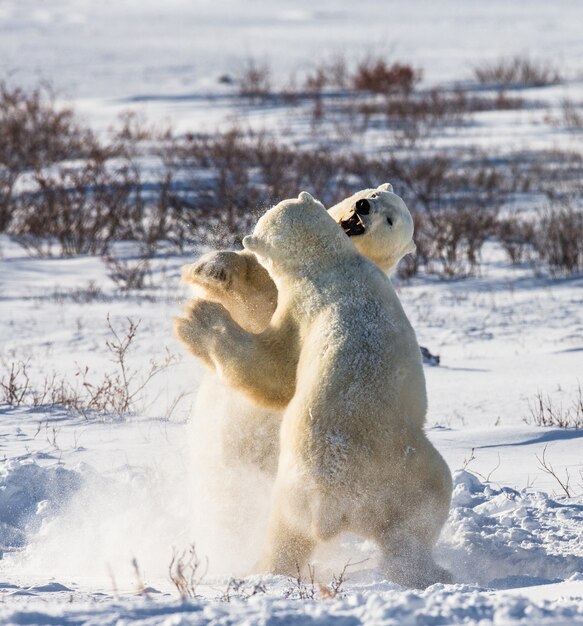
(81,498)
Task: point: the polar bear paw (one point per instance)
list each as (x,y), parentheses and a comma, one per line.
(200,325)
(217,271)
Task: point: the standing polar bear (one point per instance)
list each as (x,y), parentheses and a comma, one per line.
(381,228)
(340,357)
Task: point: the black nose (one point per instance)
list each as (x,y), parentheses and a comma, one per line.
(363,207)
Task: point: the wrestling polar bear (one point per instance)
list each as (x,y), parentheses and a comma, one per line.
(341,358)
(381,227)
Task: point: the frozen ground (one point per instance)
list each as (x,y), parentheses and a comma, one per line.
(81,498)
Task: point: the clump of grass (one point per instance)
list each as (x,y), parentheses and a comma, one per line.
(186,571)
(309,589)
(241,589)
(517,71)
(544,411)
(117,392)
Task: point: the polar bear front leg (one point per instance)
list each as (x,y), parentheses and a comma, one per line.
(263,366)
(237,281)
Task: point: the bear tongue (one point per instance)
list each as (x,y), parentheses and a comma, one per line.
(353,225)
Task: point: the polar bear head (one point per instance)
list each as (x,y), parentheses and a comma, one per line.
(295,234)
(379,224)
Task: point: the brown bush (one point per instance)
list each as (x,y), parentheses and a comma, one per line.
(128,274)
(35,133)
(377,76)
(457,236)
(572,115)
(455,207)
(254,80)
(559,237)
(328,73)
(217,199)
(78,209)
(227,180)
(516,235)
(517,71)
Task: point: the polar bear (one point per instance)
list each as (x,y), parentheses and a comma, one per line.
(381,227)
(377,220)
(340,357)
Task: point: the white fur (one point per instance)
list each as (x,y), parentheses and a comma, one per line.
(353,455)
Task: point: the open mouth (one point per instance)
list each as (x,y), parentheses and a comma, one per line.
(353,225)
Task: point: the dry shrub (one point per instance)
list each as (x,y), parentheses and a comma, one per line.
(217,199)
(228,179)
(80,193)
(516,235)
(16,388)
(186,572)
(443,106)
(449,241)
(328,73)
(517,71)
(87,294)
(544,411)
(117,392)
(572,115)
(377,76)
(277,164)
(254,80)
(455,209)
(411,118)
(559,237)
(80,209)
(128,274)
(554,237)
(35,134)
(15,383)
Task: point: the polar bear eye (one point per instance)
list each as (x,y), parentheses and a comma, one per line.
(389,221)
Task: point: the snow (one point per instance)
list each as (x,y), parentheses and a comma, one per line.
(83,497)
(127,48)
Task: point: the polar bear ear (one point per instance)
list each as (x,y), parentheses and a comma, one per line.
(251,243)
(306,197)
(385,187)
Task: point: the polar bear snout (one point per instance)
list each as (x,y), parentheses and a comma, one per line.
(353,225)
(363,207)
